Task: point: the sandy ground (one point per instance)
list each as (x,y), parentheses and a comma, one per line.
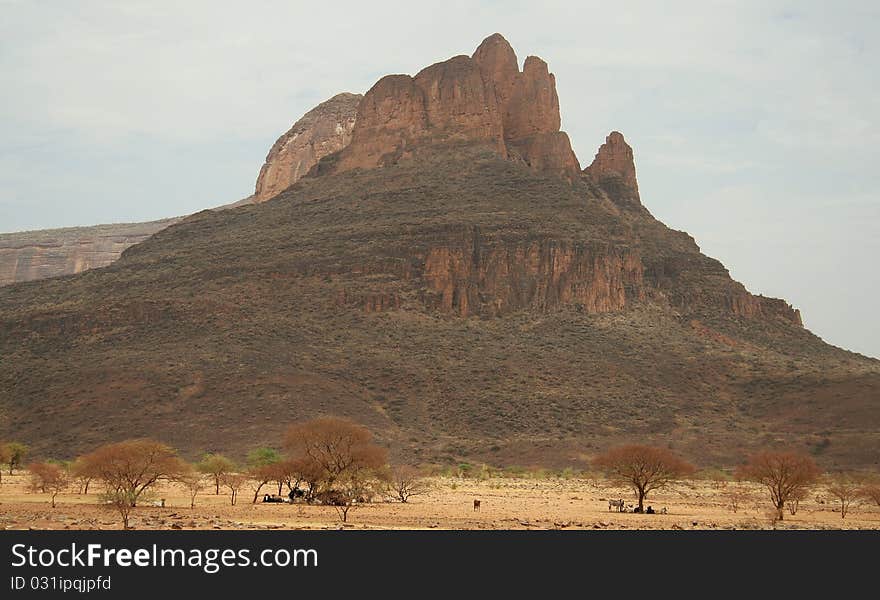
(506,503)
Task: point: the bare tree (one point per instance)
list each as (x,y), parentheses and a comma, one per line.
(786,475)
(847,489)
(871,492)
(48,477)
(216,465)
(233,481)
(643,468)
(407,481)
(193,481)
(736,494)
(127,469)
(339,456)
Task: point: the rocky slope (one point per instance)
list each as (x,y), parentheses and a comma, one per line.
(465,298)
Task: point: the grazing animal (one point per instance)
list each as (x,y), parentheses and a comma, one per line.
(663,511)
(476,505)
(272,498)
(618,504)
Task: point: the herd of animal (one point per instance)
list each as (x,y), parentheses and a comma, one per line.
(621,506)
(618,504)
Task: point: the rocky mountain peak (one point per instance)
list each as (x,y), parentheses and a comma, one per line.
(614,170)
(482,99)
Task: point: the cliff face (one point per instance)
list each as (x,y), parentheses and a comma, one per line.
(31,255)
(477,278)
(323,130)
(482,100)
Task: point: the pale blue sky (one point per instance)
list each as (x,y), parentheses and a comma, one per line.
(754,124)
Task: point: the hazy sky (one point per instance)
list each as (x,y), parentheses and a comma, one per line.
(755,125)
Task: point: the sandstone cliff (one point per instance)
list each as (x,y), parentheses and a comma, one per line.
(323,130)
(614,171)
(30,255)
(482,100)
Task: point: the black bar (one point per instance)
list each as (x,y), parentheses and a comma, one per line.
(346,561)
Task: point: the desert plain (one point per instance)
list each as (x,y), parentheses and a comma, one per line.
(520,502)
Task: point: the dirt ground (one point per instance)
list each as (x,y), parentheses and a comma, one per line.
(505,503)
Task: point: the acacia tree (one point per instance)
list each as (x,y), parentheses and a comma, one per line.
(48,477)
(407,481)
(871,492)
(356,485)
(643,468)
(83,472)
(190,478)
(129,468)
(736,494)
(261,475)
(786,475)
(4,457)
(216,465)
(15,453)
(847,489)
(339,455)
(233,481)
(308,472)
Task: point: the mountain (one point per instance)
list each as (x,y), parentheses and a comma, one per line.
(452,279)
(32,255)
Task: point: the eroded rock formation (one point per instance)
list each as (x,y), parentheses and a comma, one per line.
(30,255)
(613,169)
(482,100)
(323,130)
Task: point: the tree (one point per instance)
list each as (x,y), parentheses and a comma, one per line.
(736,494)
(338,455)
(48,477)
(306,471)
(354,486)
(872,493)
(129,468)
(259,457)
(266,465)
(190,478)
(233,481)
(261,475)
(4,457)
(786,475)
(847,489)
(643,468)
(407,481)
(216,465)
(83,472)
(15,453)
